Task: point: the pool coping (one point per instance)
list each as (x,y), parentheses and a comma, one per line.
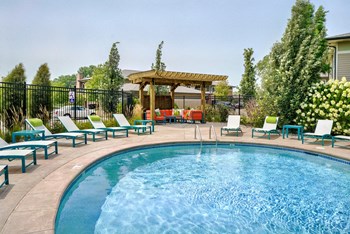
(76,166)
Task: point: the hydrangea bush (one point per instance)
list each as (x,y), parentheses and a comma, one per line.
(327,100)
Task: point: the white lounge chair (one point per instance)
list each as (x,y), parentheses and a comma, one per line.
(233,124)
(270,126)
(19,154)
(70,126)
(322,131)
(123,122)
(37,124)
(45,145)
(97,123)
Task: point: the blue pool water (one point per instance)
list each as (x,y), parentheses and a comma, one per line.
(231,189)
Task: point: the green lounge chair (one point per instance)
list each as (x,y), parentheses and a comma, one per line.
(233,124)
(270,126)
(37,124)
(123,122)
(97,123)
(19,154)
(4,171)
(322,131)
(45,145)
(70,126)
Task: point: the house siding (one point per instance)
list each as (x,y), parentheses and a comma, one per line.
(344,65)
(344,46)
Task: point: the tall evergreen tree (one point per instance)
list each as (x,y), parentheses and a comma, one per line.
(248,82)
(41,101)
(13,97)
(159,66)
(112,80)
(296,62)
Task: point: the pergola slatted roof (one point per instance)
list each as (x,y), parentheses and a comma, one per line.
(171,77)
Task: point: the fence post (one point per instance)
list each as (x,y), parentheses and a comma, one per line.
(25,99)
(239,104)
(75,102)
(123,101)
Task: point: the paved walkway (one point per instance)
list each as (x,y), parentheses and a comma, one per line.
(29,204)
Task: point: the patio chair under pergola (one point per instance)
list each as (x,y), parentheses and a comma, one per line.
(172,79)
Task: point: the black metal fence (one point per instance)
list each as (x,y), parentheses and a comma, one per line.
(21,100)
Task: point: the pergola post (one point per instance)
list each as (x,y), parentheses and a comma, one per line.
(141,96)
(172,94)
(152,99)
(203,99)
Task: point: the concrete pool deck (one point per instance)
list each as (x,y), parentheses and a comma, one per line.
(29,204)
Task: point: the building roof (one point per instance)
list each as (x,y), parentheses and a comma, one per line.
(172,77)
(344,36)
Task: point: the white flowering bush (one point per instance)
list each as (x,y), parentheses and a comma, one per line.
(327,100)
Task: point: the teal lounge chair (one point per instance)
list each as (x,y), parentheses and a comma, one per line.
(19,154)
(322,131)
(37,124)
(123,122)
(70,126)
(45,145)
(4,171)
(270,126)
(233,124)
(97,123)
(339,138)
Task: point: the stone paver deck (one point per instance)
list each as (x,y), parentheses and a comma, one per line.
(29,204)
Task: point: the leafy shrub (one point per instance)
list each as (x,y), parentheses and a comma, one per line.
(218,113)
(57,127)
(327,100)
(255,114)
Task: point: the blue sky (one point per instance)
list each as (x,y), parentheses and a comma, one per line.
(202,36)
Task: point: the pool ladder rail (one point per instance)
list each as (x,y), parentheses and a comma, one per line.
(196,129)
(211,130)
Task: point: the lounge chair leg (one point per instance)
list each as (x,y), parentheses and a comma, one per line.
(46,153)
(23,165)
(56,147)
(333,142)
(73,142)
(252,133)
(6,175)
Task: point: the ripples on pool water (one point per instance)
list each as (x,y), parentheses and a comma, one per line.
(232,189)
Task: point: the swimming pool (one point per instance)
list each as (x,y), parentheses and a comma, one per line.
(232,188)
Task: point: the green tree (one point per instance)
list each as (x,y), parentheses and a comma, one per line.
(222,89)
(160,66)
(248,82)
(87,71)
(67,81)
(112,80)
(12,96)
(40,96)
(97,78)
(296,62)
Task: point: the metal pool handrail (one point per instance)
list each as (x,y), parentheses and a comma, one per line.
(216,137)
(196,128)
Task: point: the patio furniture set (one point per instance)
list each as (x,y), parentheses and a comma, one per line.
(39,137)
(322,131)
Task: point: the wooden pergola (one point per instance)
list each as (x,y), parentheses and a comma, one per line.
(172,79)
